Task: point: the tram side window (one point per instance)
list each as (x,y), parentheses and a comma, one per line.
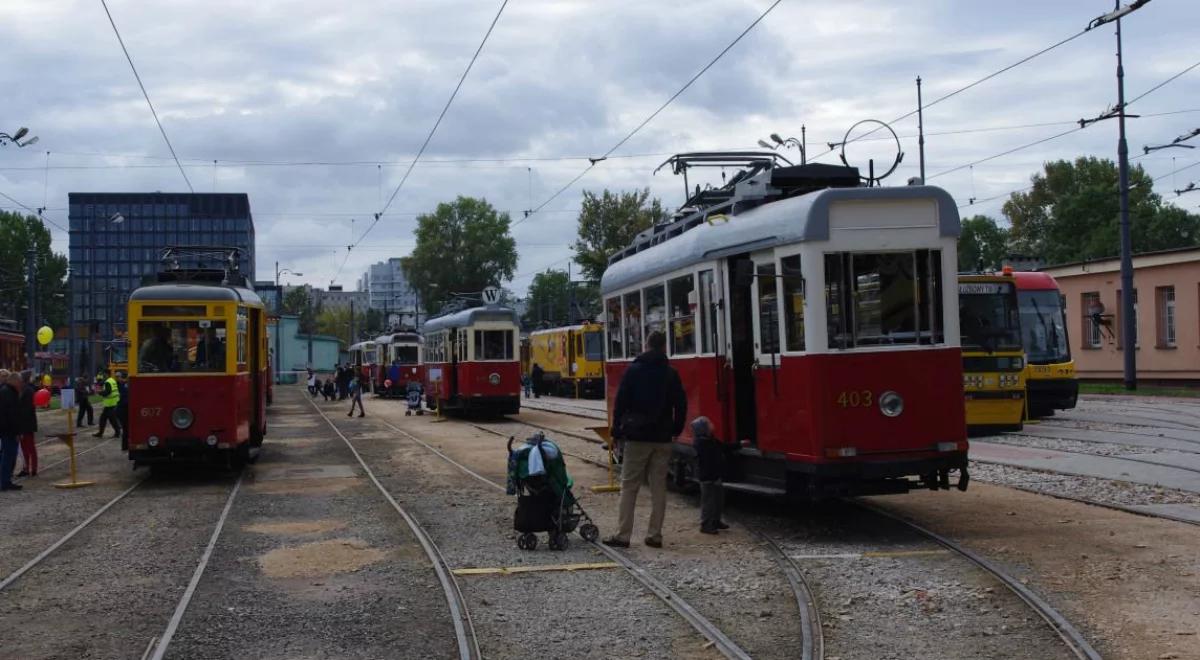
(612,318)
(708,307)
(196,346)
(655,298)
(633,323)
(793,302)
(682,299)
(768,309)
(493,344)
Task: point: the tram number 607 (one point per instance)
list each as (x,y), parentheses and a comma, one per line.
(855,399)
(151,412)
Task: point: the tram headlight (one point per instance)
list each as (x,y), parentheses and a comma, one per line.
(182,418)
(494,379)
(891,404)
(1018,363)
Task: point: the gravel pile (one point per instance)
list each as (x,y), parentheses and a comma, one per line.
(1104,491)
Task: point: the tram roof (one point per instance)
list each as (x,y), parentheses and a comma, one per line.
(469,317)
(394,337)
(1035,281)
(197,292)
(787,221)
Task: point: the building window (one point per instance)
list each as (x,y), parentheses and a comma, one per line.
(1165,301)
(1089,303)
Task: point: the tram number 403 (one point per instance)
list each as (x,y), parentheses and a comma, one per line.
(855,399)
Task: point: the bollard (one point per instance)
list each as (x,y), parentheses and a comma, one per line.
(68,405)
(612,486)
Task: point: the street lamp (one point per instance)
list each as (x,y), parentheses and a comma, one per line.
(279,314)
(1128,323)
(784,143)
(15,138)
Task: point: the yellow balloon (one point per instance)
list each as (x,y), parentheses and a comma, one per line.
(45,335)
(46,380)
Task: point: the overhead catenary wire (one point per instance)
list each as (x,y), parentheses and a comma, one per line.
(34,212)
(647,120)
(146,94)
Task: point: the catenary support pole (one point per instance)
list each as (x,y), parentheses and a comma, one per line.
(1128,322)
(31,313)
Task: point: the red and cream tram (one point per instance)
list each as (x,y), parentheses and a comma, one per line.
(814,321)
(472,361)
(399,363)
(364,359)
(198,372)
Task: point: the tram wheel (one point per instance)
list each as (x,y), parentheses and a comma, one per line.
(589,532)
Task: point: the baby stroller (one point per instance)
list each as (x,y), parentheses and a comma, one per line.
(413,398)
(538,477)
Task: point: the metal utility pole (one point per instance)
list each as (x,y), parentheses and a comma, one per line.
(279,318)
(1128,322)
(921,129)
(71,328)
(31,313)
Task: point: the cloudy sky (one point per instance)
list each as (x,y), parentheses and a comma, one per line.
(315,109)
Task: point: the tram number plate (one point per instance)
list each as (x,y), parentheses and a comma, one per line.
(855,399)
(151,412)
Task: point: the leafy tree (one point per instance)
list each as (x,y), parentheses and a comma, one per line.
(299,301)
(550,301)
(373,321)
(1071,213)
(462,247)
(335,322)
(17,233)
(608,223)
(982,245)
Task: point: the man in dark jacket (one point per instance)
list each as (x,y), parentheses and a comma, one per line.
(650,411)
(82,400)
(10,421)
(538,375)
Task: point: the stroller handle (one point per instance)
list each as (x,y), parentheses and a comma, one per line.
(510,441)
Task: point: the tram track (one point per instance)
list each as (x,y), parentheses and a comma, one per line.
(715,636)
(464,630)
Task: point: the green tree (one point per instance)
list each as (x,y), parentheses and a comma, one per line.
(335,322)
(608,223)
(17,233)
(982,245)
(1071,213)
(299,302)
(373,321)
(462,247)
(547,299)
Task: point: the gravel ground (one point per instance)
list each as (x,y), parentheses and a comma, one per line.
(1104,491)
(313,562)
(588,614)
(1069,445)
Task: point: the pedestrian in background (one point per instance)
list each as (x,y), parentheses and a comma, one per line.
(312,383)
(527,385)
(83,394)
(650,411)
(356,398)
(27,426)
(110,396)
(329,390)
(710,455)
(123,408)
(10,417)
(539,378)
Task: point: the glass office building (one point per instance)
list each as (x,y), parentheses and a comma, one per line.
(117,240)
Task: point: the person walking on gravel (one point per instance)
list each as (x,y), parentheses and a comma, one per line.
(650,411)
(123,408)
(27,427)
(10,419)
(110,397)
(82,399)
(356,389)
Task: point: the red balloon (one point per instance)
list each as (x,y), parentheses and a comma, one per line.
(41,398)
(387,383)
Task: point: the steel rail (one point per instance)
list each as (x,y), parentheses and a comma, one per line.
(702,625)
(590,413)
(1070,635)
(812,642)
(177,617)
(68,458)
(15,575)
(464,628)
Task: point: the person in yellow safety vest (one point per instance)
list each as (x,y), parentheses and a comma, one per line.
(110,397)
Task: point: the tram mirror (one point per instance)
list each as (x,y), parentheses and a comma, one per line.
(743,273)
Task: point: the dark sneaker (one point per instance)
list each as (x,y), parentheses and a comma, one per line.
(23,473)
(614,542)
(722,525)
(12,487)
(653,543)
(709,530)
(362,414)
(97,435)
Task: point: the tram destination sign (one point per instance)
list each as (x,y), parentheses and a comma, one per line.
(983,288)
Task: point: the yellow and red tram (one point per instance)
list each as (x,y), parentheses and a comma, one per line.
(198,373)
(812,320)
(472,361)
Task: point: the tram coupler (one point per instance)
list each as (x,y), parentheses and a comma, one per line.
(963,479)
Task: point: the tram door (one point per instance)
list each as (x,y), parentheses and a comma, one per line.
(766,345)
(740,345)
(453,337)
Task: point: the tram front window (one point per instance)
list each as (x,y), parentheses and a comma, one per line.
(1043,327)
(405,355)
(493,344)
(874,299)
(987,316)
(593,345)
(196,346)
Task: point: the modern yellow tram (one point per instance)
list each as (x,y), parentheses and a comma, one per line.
(572,358)
(993,357)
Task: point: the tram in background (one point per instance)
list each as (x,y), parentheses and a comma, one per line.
(813,320)
(198,372)
(12,346)
(992,355)
(399,363)
(572,359)
(472,361)
(1050,370)
(364,359)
